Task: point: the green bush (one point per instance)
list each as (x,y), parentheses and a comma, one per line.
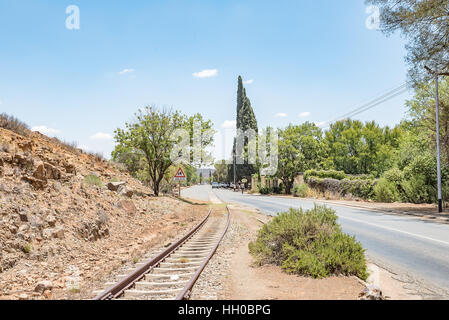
(331,174)
(93,180)
(309,243)
(279,190)
(265,190)
(363,189)
(301,190)
(386,191)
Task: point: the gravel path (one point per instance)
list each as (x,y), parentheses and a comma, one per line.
(210,285)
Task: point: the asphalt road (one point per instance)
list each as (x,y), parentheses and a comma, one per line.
(405,245)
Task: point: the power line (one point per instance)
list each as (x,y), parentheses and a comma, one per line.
(373,103)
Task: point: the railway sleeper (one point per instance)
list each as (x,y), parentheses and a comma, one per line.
(151,293)
(145,285)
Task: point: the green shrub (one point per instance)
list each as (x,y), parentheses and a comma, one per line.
(301,190)
(363,189)
(93,180)
(27,248)
(265,190)
(386,191)
(416,190)
(331,174)
(279,190)
(309,243)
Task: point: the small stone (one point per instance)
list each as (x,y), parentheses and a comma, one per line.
(128,206)
(23,216)
(59,233)
(124,191)
(24,228)
(23,296)
(13,229)
(47,294)
(371,292)
(43,286)
(114,186)
(51,220)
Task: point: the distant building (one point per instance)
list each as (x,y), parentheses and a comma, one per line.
(206,173)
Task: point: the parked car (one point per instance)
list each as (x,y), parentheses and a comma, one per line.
(215,185)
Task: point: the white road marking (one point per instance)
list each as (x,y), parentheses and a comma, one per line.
(214,199)
(372,224)
(396,230)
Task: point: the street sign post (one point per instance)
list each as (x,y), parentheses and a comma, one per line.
(179,176)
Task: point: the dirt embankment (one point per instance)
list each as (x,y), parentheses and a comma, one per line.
(67,219)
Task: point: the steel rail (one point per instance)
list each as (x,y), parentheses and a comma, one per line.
(185,293)
(118,289)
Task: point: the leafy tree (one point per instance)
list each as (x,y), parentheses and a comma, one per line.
(149,139)
(221,171)
(300,149)
(425,24)
(357,148)
(132,159)
(422,113)
(199,154)
(191,175)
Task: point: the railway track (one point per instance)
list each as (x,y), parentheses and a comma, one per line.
(172,273)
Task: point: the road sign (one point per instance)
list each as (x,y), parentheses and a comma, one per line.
(180,176)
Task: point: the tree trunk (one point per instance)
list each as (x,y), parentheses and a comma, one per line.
(156,187)
(288,187)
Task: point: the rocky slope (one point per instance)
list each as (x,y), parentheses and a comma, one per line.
(67,219)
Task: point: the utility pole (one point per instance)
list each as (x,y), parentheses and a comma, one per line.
(234,166)
(437,112)
(437,108)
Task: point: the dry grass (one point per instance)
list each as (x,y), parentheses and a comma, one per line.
(184,260)
(313,193)
(98,156)
(12,123)
(68,146)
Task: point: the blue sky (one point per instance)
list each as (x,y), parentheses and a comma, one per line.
(311,58)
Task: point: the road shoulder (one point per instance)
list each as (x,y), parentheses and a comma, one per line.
(249,282)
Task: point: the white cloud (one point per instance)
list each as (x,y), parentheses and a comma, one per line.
(229,124)
(1,102)
(101,136)
(125,71)
(248,81)
(304,114)
(281,115)
(46,130)
(206,73)
(320,124)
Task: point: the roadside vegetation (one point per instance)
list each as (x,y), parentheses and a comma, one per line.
(145,145)
(309,243)
(356,160)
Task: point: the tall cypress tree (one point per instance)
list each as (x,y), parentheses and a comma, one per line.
(241,96)
(246,120)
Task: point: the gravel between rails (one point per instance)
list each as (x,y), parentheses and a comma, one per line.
(210,285)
